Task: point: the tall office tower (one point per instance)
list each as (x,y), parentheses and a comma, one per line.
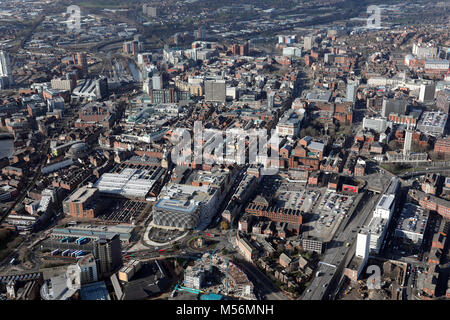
(426,93)
(200,34)
(107,252)
(101,88)
(243,49)
(351,92)
(132,47)
(215,91)
(363,244)
(157,82)
(194,54)
(270,99)
(5,70)
(176,38)
(398,106)
(4,83)
(308,42)
(147,86)
(82,62)
(87,269)
(408,141)
(235,49)
(5,64)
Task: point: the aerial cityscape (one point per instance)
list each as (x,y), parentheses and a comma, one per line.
(224,150)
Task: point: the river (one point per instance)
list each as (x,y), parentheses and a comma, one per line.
(135,72)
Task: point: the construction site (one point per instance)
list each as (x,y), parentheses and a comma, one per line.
(213,275)
(391,282)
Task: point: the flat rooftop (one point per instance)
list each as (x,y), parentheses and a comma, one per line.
(433,119)
(176,205)
(186,192)
(376,226)
(82,194)
(318,96)
(124,230)
(412,219)
(386,202)
(129,182)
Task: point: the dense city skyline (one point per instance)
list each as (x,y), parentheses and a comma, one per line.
(204,150)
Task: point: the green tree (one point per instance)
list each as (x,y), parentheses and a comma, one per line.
(394,145)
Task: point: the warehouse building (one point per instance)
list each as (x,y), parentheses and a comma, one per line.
(82,203)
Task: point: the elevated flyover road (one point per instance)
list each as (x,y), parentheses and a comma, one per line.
(444,169)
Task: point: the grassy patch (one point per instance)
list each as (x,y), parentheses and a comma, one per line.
(212,245)
(396,168)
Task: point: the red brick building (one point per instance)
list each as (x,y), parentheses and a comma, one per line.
(291,216)
(433,203)
(442,145)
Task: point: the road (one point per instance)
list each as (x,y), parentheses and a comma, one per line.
(338,254)
(425,171)
(264,284)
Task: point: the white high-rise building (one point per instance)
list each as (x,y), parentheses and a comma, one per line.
(5,65)
(147,86)
(408,140)
(385,207)
(157,82)
(351,92)
(308,42)
(427,92)
(270,99)
(363,244)
(5,70)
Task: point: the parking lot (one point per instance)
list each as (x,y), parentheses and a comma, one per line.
(300,200)
(333,206)
(329,210)
(123,211)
